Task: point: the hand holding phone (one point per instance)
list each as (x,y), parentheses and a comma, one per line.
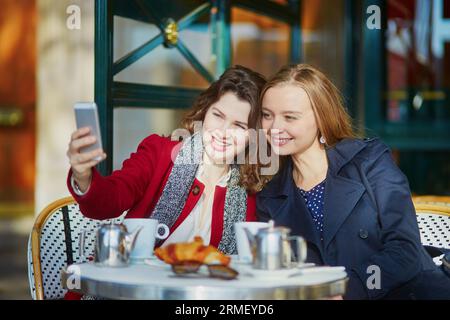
(85,147)
(86,115)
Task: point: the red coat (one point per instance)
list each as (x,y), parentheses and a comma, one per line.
(139,184)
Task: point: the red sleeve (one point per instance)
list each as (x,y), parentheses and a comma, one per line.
(108,197)
(251,207)
(72,296)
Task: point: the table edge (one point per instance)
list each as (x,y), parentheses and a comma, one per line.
(201,292)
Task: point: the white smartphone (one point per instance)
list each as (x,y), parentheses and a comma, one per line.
(86,115)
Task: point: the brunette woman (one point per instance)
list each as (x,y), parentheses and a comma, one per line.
(194,187)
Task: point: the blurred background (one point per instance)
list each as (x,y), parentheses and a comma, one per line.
(144,61)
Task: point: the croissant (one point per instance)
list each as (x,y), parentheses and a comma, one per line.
(192,251)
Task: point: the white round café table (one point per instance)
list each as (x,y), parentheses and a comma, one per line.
(157,282)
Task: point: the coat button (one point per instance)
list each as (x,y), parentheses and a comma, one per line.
(196,190)
(363,234)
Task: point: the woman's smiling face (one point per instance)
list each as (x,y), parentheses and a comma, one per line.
(288,117)
(225,128)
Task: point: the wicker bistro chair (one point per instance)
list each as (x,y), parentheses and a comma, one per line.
(54,244)
(433,200)
(434,225)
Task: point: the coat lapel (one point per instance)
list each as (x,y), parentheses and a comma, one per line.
(341,194)
(341,197)
(304,225)
(292,212)
(287,207)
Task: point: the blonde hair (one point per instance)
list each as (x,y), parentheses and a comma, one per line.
(332,118)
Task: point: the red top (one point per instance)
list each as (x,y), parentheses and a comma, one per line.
(139,184)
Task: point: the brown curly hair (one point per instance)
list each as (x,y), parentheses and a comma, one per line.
(246,84)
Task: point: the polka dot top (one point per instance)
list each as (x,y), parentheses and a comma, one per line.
(314,200)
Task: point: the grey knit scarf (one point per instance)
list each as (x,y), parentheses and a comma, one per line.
(176,191)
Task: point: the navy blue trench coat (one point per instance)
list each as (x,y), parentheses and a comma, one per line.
(370,224)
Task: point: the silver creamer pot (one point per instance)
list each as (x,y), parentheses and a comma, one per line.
(113,245)
(271,248)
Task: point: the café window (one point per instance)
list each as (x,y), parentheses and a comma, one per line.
(416,114)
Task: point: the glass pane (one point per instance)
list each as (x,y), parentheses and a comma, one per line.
(132,125)
(418,89)
(418,55)
(161,66)
(259,42)
(323,37)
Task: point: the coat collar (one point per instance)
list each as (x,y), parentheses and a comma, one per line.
(341,193)
(284,204)
(343,152)
(338,156)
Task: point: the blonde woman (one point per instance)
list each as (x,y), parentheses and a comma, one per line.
(344,195)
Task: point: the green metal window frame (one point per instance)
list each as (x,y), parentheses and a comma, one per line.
(110,94)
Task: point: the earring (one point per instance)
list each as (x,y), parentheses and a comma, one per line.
(322,140)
